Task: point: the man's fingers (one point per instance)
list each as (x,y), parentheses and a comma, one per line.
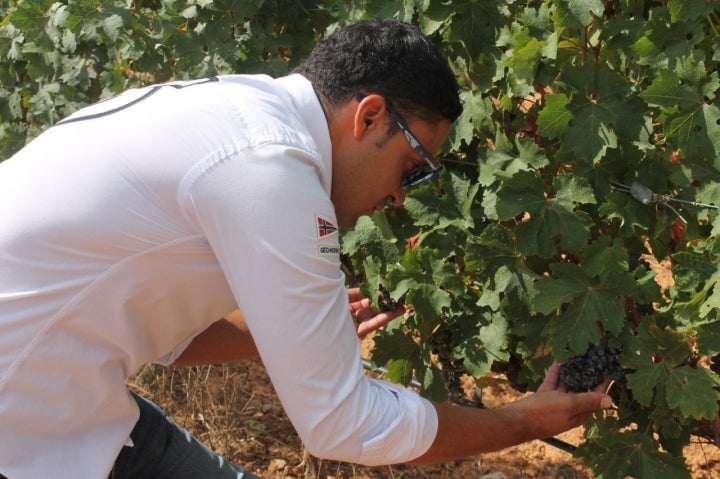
(597,400)
(369,325)
(552,379)
(354,294)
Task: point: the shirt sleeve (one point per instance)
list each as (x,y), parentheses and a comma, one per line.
(260,210)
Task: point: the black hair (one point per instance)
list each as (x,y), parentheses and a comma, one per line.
(386,57)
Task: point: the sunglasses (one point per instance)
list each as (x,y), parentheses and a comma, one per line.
(421,173)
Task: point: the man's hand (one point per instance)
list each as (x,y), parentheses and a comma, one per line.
(365,318)
(557,409)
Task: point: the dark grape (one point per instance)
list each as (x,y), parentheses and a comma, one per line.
(640,261)
(715,363)
(644,309)
(585,371)
(442,344)
(386,302)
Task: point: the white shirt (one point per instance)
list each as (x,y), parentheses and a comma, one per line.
(134,224)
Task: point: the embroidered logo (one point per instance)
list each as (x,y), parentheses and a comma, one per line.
(325,227)
(333,250)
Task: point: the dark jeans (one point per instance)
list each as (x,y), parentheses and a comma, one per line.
(164,450)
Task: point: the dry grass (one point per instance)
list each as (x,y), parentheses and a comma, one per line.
(234,410)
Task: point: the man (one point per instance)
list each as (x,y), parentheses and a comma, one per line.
(128,228)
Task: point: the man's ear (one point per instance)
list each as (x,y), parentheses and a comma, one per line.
(369,114)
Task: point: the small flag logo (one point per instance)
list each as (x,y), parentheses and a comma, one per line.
(325,227)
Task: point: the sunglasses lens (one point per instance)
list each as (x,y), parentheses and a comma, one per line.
(419,176)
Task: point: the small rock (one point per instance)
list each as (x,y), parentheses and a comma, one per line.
(494,475)
(277,465)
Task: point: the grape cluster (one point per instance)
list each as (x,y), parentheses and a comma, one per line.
(386,302)
(640,262)
(585,371)
(715,367)
(715,363)
(442,344)
(645,309)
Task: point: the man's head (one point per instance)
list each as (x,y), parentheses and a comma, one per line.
(387,57)
(390,98)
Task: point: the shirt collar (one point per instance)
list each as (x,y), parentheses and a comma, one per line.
(308,106)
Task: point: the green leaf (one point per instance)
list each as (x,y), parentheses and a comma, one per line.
(112,26)
(400,371)
(473,24)
(684,10)
(429,206)
(587,303)
(399,352)
(551,219)
(525,57)
(578,13)
(555,115)
(708,339)
(506,160)
(667,92)
(481,351)
(631,454)
(644,381)
(553,293)
(489,251)
(605,256)
(367,238)
(692,392)
(661,345)
(433,384)
(428,301)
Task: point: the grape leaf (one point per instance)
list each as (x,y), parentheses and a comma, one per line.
(433,383)
(506,160)
(489,251)
(631,454)
(690,124)
(555,115)
(588,302)
(551,219)
(400,371)
(590,133)
(429,206)
(665,41)
(472,23)
(644,381)
(369,239)
(578,13)
(692,392)
(489,345)
(684,10)
(392,345)
(605,256)
(525,57)
(708,339)
(658,352)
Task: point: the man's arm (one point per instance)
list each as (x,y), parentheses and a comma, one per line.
(466,431)
(223,341)
(229,339)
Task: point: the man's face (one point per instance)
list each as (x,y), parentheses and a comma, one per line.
(368,165)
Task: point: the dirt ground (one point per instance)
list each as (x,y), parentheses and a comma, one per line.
(235,411)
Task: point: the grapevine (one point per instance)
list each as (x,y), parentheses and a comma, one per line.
(528,248)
